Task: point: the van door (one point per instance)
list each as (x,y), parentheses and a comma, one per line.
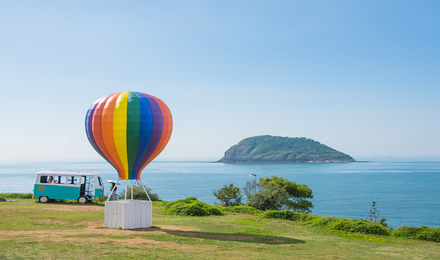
(99,190)
(82,191)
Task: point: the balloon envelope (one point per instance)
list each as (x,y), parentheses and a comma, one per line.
(129,130)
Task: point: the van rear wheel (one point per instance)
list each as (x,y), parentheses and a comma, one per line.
(82,200)
(43,199)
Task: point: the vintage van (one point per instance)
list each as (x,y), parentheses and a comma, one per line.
(68,185)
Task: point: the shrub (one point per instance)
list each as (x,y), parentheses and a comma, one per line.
(191,207)
(420,233)
(373,216)
(407,232)
(139,193)
(241,209)
(2,199)
(287,215)
(351,225)
(17,195)
(429,234)
(229,195)
(269,197)
(160,203)
(276,193)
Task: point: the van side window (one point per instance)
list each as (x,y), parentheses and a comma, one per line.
(99,180)
(61,179)
(43,179)
(72,180)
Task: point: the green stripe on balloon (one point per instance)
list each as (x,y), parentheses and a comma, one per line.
(133,130)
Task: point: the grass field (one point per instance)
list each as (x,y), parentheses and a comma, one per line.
(31,230)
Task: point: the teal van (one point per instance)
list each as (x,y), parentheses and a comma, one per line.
(82,187)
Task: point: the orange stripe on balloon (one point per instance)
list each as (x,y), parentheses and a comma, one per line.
(97,130)
(107,133)
(166,130)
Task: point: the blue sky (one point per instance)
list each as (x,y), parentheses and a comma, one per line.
(359,76)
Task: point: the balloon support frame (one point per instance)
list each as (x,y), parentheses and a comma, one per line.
(128,214)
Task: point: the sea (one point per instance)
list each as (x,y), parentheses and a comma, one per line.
(406,190)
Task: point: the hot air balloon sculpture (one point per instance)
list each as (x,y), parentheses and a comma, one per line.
(129,130)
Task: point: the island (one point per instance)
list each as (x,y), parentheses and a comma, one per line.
(277,149)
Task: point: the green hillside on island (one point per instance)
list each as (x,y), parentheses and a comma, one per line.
(277,149)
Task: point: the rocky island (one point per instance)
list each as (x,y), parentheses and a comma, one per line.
(277,149)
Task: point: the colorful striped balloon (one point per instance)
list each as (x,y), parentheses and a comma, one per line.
(129,130)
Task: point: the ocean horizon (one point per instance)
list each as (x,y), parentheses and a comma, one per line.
(405,189)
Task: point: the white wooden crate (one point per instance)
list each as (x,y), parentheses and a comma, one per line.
(128,214)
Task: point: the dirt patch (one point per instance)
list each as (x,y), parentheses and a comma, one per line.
(177,228)
(48,221)
(77,208)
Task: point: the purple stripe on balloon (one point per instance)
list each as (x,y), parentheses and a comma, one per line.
(89,125)
(156,133)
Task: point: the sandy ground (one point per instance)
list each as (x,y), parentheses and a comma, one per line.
(92,228)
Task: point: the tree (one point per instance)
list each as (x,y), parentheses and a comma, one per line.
(268,197)
(374,216)
(374,213)
(274,193)
(298,193)
(229,195)
(139,193)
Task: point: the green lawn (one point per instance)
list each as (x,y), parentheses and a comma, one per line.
(30,230)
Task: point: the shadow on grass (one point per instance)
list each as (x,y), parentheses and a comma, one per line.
(237,237)
(70,203)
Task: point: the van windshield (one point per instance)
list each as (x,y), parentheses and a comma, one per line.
(99,180)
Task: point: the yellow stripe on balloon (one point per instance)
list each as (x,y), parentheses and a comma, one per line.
(120,130)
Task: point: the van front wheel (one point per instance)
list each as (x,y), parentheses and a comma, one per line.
(43,199)
(82,200)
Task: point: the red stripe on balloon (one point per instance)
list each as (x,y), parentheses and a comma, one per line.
(107,133)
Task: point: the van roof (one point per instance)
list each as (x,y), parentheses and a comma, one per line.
(66,173)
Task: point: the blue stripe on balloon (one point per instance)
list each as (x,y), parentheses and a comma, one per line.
(146,132)
(157,130)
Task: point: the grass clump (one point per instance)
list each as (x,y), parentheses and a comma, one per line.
(361,226)
(241,209)
(139,193)
(191,207)
(288,215)
(420,233)
(341,224)
(160,203)
(16,195)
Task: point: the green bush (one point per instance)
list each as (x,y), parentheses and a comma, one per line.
(241,209)
(351,225)
(288,215)
(161,203)
(17,195)
(420,233)
(229,195)
(277,193)
(2,199)
(139,193)
(429,234)
(191,207)
(342,224)
(407,232)
(270,197)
